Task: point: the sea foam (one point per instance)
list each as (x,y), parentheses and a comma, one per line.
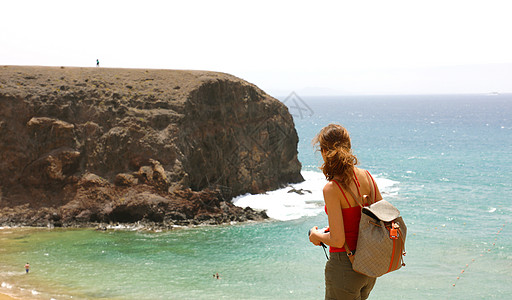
(301,199)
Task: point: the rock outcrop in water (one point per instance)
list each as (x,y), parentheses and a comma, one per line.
(85,145)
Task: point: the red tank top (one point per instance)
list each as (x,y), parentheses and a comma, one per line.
(351,218)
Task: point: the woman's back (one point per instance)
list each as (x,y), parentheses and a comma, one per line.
(362,184)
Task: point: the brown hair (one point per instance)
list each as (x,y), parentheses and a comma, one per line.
(334,143)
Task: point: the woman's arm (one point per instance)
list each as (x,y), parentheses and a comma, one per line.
(336,235)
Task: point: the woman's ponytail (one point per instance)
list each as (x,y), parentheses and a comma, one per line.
(334,143)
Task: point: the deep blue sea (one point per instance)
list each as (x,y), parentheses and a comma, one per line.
(443,160)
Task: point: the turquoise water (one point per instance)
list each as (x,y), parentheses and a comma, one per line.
(444,161)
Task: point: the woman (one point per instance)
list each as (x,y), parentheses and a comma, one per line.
(346,182)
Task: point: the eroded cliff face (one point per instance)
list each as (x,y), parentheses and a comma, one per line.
(81,145)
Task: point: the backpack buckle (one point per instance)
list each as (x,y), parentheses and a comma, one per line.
(393,232)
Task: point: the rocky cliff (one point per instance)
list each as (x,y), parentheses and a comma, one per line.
(81,145)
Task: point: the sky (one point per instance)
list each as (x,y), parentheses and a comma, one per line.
(308,47)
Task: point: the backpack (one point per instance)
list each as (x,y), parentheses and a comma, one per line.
(381,240)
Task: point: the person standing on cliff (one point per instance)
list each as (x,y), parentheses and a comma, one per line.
(27,267)
(97,62)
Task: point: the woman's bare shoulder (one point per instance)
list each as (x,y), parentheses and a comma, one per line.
(360,171)
(330,187)
(362,174)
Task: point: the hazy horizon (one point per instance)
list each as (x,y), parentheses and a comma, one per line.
(332,47)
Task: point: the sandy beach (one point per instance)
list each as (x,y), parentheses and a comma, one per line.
(6,297)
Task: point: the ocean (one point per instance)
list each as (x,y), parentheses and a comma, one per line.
(443,160)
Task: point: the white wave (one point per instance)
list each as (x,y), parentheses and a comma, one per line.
(387,187)
(287,204)
(492,209)
(282,205)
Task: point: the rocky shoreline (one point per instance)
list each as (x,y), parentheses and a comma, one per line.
(166,148)
(191,212)
(247,216)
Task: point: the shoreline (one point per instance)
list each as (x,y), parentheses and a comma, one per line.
(137,226)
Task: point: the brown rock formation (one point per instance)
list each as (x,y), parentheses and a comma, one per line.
(81,145)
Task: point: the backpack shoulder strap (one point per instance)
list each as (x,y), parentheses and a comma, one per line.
(358,201)
(373,187)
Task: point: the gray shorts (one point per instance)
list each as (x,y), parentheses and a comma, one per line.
(342,282)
